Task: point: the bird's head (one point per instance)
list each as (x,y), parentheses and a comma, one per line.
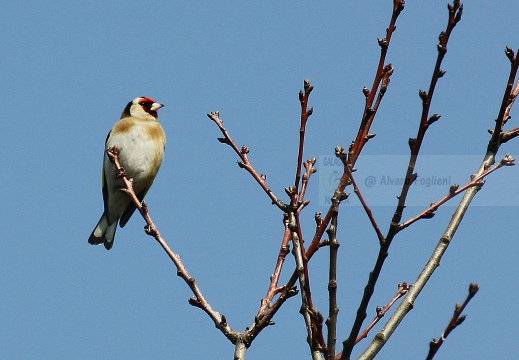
(142,107)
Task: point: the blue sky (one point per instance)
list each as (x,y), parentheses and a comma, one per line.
(67,71)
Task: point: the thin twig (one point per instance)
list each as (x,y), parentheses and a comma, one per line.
(513,96)
(508,160)
(305,114)
(309,170)
(456,320)
(313,318)
(245,162)
(509,97)
(402,290)
(274,279)
(505,136)
(285,247)
(356,189)
(198,300)
(509,135)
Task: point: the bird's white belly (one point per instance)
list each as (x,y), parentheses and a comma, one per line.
(137,154)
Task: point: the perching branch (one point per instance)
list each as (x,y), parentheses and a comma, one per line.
(457,319)
(198,300)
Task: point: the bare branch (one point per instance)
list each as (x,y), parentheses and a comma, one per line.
(356,189)
(509,135)
(381,80)
(455,12)
(309,170)
(476,181)
(274,279)
(509,97)
(402,290)
(457,319)
(305,114)
(245,162)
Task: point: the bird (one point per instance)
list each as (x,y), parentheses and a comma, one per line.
(141,142)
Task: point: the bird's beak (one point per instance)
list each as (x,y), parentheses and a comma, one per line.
(155,106)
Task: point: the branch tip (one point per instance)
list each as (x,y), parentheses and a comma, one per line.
(245,149)
(383,43)
(453,188)
(433,119)
(411,143)
(473,289)
(508,160)
(398,6)
(509,52)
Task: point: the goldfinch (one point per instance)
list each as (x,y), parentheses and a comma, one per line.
(141,141)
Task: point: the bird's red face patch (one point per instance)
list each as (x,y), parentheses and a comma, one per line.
(145,99)
(146,104)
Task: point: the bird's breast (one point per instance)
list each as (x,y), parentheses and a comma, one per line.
(141,150)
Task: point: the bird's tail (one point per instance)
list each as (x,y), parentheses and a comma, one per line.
(103,233)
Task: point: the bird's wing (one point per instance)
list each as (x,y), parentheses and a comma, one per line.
(127,214)
(105,188)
